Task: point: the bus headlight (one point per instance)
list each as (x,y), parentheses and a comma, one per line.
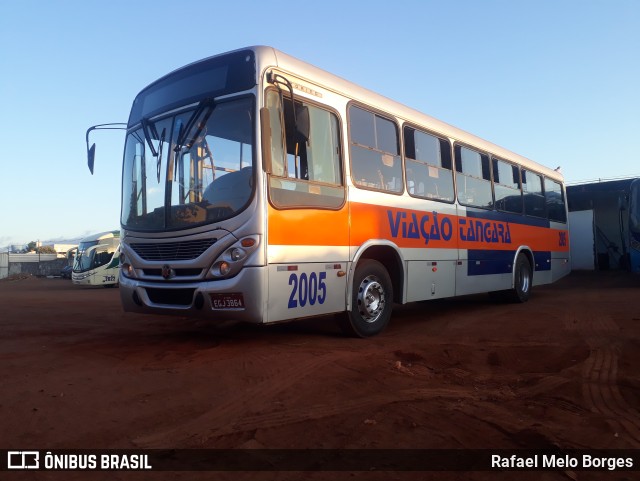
(233,258)
(128,270)
(237,254)
(126,267)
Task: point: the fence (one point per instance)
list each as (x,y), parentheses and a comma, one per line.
(32,264)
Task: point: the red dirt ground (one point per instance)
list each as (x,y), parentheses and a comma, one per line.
(561,370)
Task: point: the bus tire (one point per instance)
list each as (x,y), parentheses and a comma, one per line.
(371,300)
(522,279)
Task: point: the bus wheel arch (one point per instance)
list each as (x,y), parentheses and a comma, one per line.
(375,283)
(523,270)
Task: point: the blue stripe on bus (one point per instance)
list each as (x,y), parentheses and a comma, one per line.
(542,261)
(486,262)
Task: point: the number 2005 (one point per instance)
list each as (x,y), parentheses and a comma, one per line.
(307,289)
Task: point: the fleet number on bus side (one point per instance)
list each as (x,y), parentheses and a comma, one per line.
(307,289)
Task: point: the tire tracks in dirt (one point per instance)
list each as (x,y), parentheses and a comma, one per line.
(321,411)
(543,386)
(600,376)
(240,413)
(235,406)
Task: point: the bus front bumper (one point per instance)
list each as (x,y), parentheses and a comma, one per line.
(239,298)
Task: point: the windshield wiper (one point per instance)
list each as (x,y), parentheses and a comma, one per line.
(159,163)
(204,110)
(149,129)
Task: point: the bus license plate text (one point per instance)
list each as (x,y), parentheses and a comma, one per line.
(227,301)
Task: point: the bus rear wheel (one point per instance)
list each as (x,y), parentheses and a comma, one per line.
(371,300)
(522,280)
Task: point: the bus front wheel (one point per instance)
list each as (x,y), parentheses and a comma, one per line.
(371,300)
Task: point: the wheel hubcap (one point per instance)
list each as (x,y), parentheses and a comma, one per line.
(371,299)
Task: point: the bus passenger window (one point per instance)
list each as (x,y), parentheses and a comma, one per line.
(534,200)
(473,178)
(375,156)
(305,172)
(554,196)
(507,186)
(428,166)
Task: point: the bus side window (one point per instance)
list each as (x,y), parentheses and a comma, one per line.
(534,200)
(428,166)
(375,155)
(555,201)
(473,178)
(305,172)
(507,186)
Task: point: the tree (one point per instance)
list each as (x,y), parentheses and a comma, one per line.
(46,250)
(31,246)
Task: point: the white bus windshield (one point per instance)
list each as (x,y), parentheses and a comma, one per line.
(84,257)
(92,255)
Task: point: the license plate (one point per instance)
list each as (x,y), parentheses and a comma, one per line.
(232,300)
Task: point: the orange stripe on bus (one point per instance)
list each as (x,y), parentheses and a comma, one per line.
(407,228)
(309,227)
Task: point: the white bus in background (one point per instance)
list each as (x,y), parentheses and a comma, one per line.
(97,260)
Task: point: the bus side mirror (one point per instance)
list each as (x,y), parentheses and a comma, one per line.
(303,123)
(91,151)
(91,155)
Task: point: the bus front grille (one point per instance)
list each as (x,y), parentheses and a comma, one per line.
(174,297)
(172,251)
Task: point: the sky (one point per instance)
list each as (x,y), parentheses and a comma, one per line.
(553,80)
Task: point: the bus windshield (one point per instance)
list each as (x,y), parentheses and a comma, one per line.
(189,167)
(84,256)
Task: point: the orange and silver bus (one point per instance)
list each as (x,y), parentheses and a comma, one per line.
(260,188)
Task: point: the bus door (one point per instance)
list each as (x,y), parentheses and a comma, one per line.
(307,219)
(486,250)
(431,270)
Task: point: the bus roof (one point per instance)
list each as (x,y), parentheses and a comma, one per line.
(102,235)
(269,57)
(322,78)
